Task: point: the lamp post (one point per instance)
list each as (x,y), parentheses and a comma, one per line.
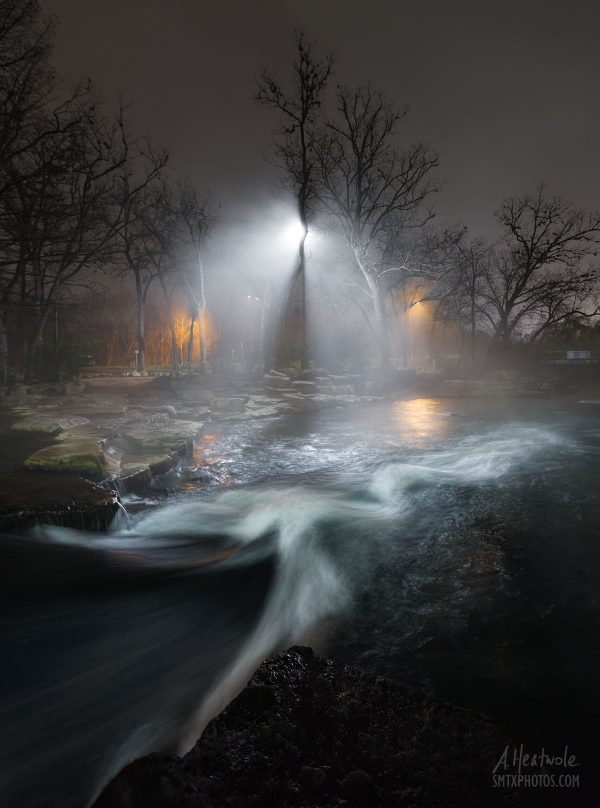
(136,352)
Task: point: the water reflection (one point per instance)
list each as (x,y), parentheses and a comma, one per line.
(422,418)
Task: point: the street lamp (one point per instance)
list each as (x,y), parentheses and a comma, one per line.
(292,233)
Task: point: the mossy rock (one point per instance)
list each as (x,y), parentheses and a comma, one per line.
(34,423)
(79,456)
(162,439)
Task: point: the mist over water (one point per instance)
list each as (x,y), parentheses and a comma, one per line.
(123,644)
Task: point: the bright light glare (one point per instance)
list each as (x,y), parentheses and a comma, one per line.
(291,234)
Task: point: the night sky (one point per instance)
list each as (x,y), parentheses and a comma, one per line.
(508,93)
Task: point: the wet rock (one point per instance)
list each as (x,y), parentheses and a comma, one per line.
(227,404)
(277,381)
(249,415)
(78,432)
(336,389)
(134,477)
(309,733)
(158,418)
(280,390)
(305,386)
(312,778)
(37,423)
(193,414)
(283,408)
(297,402)
(137,473)
(84,456)
(59,499)
(230,416)
(313,374)
(160,464)
(202,475)
(323,401)
(266,412)
(291,372)
(164,438)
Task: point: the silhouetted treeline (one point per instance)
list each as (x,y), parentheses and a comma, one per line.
(103,253)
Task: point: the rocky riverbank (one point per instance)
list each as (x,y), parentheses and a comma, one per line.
(118,432)
(308,732)
(63,444)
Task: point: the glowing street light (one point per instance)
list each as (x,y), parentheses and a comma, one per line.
(292,233)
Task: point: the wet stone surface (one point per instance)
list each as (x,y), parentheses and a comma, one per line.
(307,732)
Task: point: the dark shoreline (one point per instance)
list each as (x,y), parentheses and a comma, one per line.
(313,733)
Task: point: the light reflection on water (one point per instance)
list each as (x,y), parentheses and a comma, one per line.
(424,419)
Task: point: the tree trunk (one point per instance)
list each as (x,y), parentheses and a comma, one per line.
(203,310)
(473,341)
(36,340)
(190,346)
(382,332)
(3,350)
(360,253)
(302,281)
(267,330)
(141,336)
(175,353)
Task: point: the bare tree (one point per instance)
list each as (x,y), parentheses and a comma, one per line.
(55,221)
(417,264)
(465,290)
(543,274)
(27,82)
(366,181)
(134,201)
(299,105)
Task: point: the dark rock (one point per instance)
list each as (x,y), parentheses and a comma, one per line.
(312,778)
(58,499)
(277,381)
(307,733)
(357,783)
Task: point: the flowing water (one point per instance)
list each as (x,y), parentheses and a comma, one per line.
(450,544)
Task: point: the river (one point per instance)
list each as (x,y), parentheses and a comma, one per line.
(451,544)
